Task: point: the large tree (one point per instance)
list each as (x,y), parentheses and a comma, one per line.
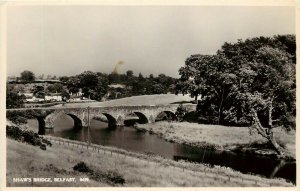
(250,83)
(93,85)
(27,76)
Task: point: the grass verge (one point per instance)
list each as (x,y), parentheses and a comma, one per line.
(219,137)
(24,160)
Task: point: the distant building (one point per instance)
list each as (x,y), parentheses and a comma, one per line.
(53,97)
(77,94)
(116,86)
(115,91)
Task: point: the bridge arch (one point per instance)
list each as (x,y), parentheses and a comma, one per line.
(165,115)
(77,120)
(51,120)
(112,122)
(142,117)
(130,118)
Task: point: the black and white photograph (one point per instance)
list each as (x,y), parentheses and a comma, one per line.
(150,95)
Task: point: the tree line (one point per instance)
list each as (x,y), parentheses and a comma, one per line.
(94,85)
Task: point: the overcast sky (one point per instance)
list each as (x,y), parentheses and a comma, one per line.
(67,40)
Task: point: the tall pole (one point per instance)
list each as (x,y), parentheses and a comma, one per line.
(89,141)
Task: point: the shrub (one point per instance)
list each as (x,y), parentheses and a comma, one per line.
(111,177)
(115,177)
(43,146)
(47,142)
(180,112)
(27,136)
(81,167)
(14,132)
(31,138)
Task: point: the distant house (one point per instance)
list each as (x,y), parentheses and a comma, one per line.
(115,91)
(116,86)
(77,94)
(53,97)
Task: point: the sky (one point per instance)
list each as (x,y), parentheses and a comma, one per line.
(67,40)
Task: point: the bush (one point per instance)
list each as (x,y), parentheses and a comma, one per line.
(115,177)
(43,146)
(14,132)
(31,138)
(109,176)
(47,142)
(81,167)
(27,136)
(180,112)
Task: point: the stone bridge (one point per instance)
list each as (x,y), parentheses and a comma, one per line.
(82,115)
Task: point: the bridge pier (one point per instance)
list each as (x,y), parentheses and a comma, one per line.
(120,122)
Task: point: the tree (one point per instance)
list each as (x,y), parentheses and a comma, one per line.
(180,112)
(13,99)
(272,103)
(57,87)
(64,79)
(27,76)
(88,82)
(157,89)
(37,88)
(101,88)
(65,95)
(73,84)
(129,73)
(203,75)
(249,83)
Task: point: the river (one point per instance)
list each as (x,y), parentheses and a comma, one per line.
(130,139)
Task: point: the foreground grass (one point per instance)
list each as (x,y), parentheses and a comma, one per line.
(137,169)
(160,99)
(219,137)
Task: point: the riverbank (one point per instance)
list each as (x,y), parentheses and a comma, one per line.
(137,169)
(217,137)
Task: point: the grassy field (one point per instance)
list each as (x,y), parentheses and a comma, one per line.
(218,137)
(161,99)
(138,170)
